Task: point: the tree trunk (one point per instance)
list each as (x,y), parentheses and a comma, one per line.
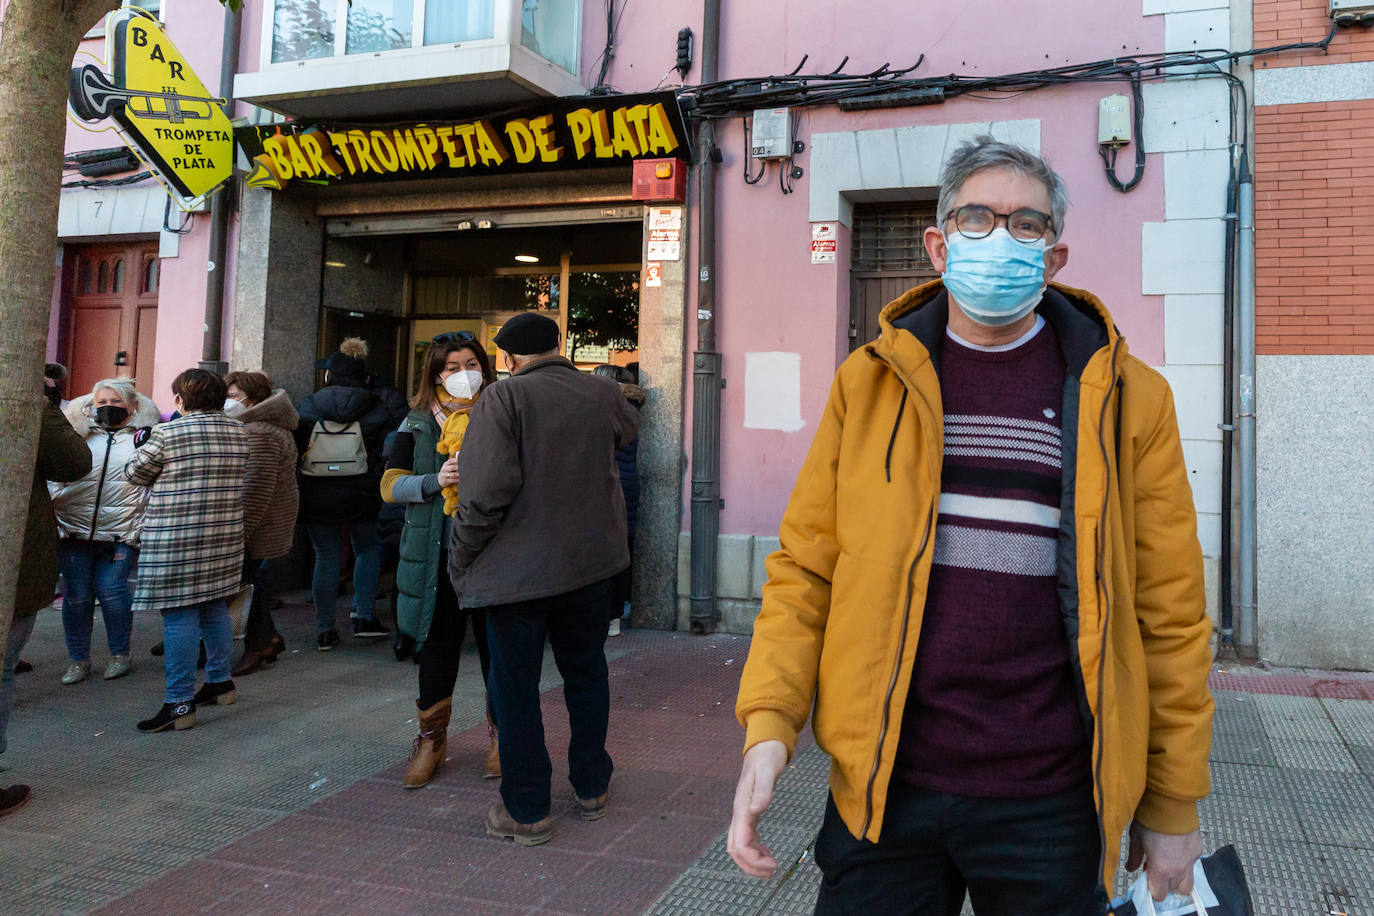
(38,40)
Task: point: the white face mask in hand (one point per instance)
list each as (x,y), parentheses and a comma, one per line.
(464,385)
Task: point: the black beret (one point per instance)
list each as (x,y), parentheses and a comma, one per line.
(527,334)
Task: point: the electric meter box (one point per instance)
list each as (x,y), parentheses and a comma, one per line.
(771,134)
(1351,6)
(1114,121)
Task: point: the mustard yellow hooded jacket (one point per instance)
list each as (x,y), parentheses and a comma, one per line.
(842,610)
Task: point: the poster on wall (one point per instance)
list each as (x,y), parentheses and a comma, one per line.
(823,243)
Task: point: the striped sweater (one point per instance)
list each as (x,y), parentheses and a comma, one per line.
(992,710)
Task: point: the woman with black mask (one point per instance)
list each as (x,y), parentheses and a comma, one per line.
(99,518)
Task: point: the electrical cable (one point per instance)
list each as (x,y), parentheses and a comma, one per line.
(186,219)
(1108,151)
(748,154)
(108,182)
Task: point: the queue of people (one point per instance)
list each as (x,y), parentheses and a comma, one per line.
(247,465)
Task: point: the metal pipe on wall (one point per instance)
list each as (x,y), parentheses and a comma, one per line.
(1247,630)
(1228,420)
(707,380)
(212,345)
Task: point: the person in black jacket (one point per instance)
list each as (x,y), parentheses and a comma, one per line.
(335,494)
(627,463)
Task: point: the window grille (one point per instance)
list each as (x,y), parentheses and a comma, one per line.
(887,237)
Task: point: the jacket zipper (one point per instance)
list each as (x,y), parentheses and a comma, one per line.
(896,670)
(100,487)
(1106,608)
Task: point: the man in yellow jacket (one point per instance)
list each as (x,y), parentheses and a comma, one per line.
(989,594)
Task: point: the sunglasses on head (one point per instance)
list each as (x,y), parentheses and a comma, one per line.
(453,337)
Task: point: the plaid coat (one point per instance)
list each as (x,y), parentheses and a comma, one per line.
(192,545)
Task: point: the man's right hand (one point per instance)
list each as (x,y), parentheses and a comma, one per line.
(762,764)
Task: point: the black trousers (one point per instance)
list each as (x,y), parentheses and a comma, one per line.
(575,625)
(1015,857)
(443,647)
(259,628)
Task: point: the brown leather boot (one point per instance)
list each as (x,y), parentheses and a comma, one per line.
(427,754)
(491,767)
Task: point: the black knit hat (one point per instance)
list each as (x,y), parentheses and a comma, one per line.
(349,361)
(528,333)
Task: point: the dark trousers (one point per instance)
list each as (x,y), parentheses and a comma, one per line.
(444,645)
(1014,857)
(259,629)
(575,625)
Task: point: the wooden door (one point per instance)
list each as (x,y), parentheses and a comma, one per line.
(888,258)
(111,318)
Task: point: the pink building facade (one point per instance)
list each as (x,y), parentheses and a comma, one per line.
(307,263)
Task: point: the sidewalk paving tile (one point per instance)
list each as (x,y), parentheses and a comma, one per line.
(289,801)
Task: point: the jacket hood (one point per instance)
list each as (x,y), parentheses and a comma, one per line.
(1081,321)
(276,410)
(147,414)
(341,403)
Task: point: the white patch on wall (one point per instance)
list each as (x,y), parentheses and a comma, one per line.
(772,391)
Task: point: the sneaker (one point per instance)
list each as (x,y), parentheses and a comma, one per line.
(22,667)
(614,628)
(76,673)
(369,628)
(221,692)
(177,716)
(327,640)
(119,666)
(501,824)
(594,809)
(12,799)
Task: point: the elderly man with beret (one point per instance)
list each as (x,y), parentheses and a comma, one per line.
(539,533)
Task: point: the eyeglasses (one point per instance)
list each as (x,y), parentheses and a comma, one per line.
(976,221)
(453,337)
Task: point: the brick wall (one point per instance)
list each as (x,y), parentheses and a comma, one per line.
(1314,228)
(1281,22)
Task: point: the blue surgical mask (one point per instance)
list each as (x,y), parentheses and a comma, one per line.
(995,280)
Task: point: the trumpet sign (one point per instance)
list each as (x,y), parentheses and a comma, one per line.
(162,108)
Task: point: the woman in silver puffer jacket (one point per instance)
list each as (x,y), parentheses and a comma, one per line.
(99,518)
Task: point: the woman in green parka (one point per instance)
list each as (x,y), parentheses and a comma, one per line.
(417,473)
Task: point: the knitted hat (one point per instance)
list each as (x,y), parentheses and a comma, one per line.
(349,361)
(528,333)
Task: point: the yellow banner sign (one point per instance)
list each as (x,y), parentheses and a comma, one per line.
(569,133)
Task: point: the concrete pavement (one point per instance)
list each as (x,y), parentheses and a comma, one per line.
(289,801)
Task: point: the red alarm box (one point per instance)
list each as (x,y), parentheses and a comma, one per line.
(660,180)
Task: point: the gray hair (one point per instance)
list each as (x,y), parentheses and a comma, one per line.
(123,386)
(984,152)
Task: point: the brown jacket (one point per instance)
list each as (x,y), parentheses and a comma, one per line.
(63,457)
(270,495)
(540,509)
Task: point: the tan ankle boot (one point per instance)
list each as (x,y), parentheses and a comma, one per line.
(427,754)
(491,767)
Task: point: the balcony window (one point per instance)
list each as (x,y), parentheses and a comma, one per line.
(303,29)
(458,20)
(379,25)
(550,29)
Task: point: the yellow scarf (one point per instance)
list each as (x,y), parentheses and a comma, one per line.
(455,425)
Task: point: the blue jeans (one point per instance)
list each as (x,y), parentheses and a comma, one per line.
(367,566)
(575,625)
(90,570)
(183,629)
(20,631)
